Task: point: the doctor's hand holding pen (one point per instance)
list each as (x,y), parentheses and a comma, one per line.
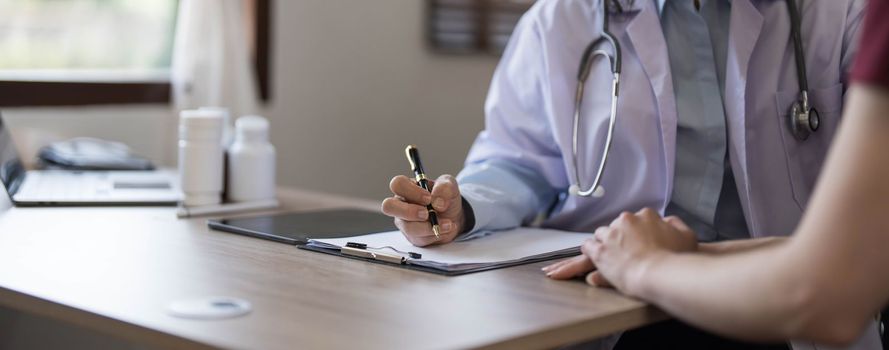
(409,206)
(427,212)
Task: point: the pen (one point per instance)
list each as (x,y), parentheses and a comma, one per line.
(413,156)
(216,209)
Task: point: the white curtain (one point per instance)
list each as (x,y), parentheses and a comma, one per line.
(211,59)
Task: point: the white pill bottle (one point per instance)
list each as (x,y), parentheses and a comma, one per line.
(251,161)
(201,157)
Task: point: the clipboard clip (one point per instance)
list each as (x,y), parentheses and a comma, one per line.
(367,254)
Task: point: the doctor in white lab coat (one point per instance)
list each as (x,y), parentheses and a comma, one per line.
(702,127)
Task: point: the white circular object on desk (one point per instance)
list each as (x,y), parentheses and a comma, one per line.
(209,308)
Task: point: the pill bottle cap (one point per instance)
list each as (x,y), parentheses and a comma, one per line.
(251,128)
(200,125)
(219,110)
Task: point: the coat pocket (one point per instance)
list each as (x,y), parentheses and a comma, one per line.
(805,158)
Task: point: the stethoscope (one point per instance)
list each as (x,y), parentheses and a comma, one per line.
(803,118)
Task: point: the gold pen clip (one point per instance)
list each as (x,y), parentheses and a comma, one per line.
(410,157)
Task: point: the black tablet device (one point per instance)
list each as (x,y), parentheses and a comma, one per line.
(297,228)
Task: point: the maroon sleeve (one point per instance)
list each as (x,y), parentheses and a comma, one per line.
(872,63)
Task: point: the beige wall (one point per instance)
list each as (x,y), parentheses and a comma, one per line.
(353,85)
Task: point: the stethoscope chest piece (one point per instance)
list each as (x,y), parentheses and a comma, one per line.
(803,120)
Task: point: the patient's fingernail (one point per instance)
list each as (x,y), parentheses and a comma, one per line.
(446,226)
(422,214)
(438,203)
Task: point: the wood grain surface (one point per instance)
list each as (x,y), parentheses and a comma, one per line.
(115,270)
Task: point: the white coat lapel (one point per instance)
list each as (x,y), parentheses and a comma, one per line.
(648,41)
(745,27)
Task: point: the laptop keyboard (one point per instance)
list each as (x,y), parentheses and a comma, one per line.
(65,186)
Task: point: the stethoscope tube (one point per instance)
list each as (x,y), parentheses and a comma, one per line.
(803,118)
(583,73)
(797,39)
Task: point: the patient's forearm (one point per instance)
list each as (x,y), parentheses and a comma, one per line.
(824,283)
(750,286)
(737,246)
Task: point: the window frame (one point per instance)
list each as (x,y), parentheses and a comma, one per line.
(484,11)
(40,93)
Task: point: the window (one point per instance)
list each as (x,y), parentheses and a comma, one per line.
(55,52)
(472,26)
(50,39)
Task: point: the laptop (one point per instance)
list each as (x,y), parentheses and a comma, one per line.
(82,188)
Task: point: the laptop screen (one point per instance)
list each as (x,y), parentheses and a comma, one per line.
(12,173)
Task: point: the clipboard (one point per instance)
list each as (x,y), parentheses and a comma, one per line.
(296,228)
(480,251)
(455,272)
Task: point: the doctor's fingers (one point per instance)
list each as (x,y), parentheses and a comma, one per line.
(623,219)
(400,209)
(571,268)
(603,234)
(592,248)
(408,189)
(677,223)
(689,240)
(596,278)
(420,233)
(445,192)
(558,264)
(648,214)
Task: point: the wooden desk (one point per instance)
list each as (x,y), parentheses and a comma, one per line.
(114,270)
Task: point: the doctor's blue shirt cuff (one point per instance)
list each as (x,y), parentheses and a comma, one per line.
(482,201)
(503,195)
(468,216)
